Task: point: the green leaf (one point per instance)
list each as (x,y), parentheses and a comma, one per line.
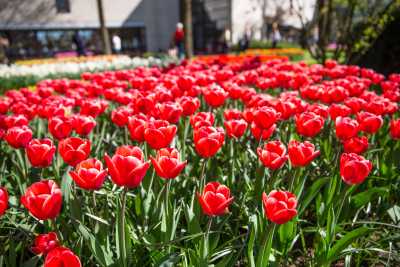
(345,241)
(192,221)
(102,257)
(312,192)
(169,260)
(394,213)
(363,198)
(32,262)
(287,232)
(264,254)
(250,244)
(101,220)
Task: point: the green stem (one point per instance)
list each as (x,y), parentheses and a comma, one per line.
(206,239)
(265,251)
(271,181)
(122,230)
(56,166)
(202,176)
(344,196)
(94,200)
(59,234)
(126,135)
(232,176)
(186,131)
(294,177)
(22,162)
(166,200)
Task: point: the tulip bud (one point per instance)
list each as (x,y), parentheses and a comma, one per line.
(272,155)
(279,206)
(354,168)
(60,257)
(215,199)
(43,199)
(167,163)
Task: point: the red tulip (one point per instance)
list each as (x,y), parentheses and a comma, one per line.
(338,110)
(319,109)
(272,155)
(309,124)
(354,168)
(232,114)
(167,163)
(127,166)
(248,115)
(74,150)
(93,107)
(356,104)
(369,123)
(40,152)
(120,115)
(279,206)
(215,199)
(286,108)
(169,111)
(208,140)
(159,133)
(189,105)
(136,127)
(16,120)
(60,127)
(89,174)
(395,128)
(265,117)
(44,243)
(19,136)
(197,119)
(356,145)
(260,133)
(346,128)
(235,128)
(185,82)
(215,96)
(301,154)
(4,105)
(82,124)
(43,199)
(3,201)
(61,257)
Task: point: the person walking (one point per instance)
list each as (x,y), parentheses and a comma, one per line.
(179,37)
(80,48)
(116,40)
(276,35)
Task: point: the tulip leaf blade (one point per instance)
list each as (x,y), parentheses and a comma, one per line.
(363,198)
(345,241)
(103,257)
(312,193)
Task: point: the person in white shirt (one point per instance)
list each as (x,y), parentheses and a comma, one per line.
(276,35)
(116,40)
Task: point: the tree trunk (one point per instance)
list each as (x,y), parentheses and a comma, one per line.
(263,25)
(103,29)
(324,26)
(188,28)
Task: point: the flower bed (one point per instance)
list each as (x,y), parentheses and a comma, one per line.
(293,53)
(29,73)
(239,59)
(66,58)
(244,164)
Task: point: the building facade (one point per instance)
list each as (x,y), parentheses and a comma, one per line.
(219,21)
(46,27)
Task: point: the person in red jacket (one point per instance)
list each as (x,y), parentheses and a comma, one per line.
(179,37)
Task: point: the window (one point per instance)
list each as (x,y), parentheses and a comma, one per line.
(63,6)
